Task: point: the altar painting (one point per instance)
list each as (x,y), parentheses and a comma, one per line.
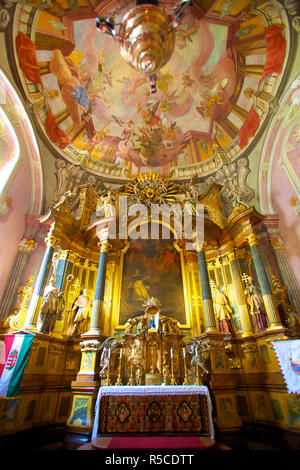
(152,268)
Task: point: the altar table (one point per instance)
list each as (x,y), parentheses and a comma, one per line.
(153,410)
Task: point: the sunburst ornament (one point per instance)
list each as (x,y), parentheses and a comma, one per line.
(151,188)
(151,301)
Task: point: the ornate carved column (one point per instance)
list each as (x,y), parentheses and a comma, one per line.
(269,301)
(209,315)
(239,291)
(51,242)
(96,320)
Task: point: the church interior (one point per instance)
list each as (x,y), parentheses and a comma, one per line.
(149,224)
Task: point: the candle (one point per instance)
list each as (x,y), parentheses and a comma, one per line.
(132,353)
(171,353)
(121,352)
(109,353)
(196,351)
(183,352)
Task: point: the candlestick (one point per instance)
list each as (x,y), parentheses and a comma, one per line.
(185,382)
(119,380)
(197,374)
(108,382)
(131,378)
(172,381)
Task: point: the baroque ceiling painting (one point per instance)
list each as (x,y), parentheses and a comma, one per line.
(212,97)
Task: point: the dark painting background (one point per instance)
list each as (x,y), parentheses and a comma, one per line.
(152,268)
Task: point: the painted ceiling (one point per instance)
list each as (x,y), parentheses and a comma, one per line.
(212,98)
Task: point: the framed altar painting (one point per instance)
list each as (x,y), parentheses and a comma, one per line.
(152,268)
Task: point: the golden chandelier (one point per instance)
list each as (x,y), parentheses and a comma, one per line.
(146,36)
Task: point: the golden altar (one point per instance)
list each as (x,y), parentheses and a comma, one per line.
(98,335)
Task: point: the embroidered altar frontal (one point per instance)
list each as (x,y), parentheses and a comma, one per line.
(154,410)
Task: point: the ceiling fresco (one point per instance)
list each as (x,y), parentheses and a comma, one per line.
(212,96)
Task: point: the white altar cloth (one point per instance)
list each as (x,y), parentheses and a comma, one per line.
(139,390)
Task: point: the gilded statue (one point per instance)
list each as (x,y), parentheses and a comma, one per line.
(190,191)
(285,309)
(130,325)
(138,358)
(66,199)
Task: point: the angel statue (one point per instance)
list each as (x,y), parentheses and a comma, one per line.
(191,192)
(196,349)
(66,199)
(107,348)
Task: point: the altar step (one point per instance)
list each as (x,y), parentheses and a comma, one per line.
(153,442)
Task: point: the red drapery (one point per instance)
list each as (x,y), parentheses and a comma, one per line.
(54,132)
(249,127)
(276,48)
(27,58)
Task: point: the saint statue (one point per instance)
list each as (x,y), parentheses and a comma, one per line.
(81,319)
(256,305)
(223,310)
(51,308)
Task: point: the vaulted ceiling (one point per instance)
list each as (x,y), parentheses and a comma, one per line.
(212,97)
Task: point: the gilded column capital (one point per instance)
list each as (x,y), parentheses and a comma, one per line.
(72,257)
(26,246)
(104,246)
(90,345)
(277,244)
(253,239)
(52,241)
(231,256)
